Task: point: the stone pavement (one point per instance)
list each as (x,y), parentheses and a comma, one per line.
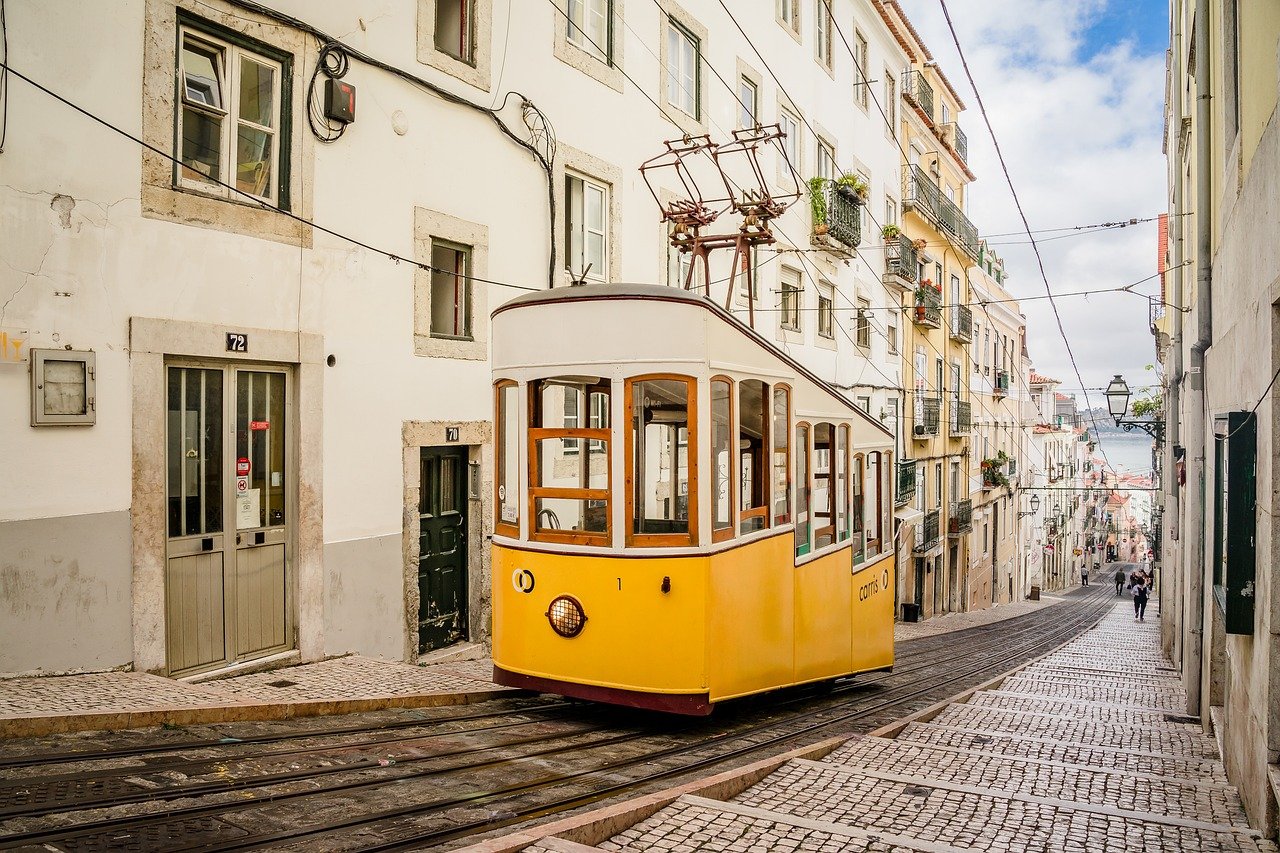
(33,706)
(949,622)
(1085,749)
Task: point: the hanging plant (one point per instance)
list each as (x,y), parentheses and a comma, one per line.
(818,204)
(890,231)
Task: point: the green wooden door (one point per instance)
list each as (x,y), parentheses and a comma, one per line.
(442,548)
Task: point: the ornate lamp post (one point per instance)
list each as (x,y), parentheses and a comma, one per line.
(1035,506)
(1118,404)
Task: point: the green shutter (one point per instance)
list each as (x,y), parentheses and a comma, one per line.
(1240,593)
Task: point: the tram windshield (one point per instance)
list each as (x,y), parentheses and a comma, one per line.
(660,423)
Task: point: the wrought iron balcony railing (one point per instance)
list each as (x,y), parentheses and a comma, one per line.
(906,489)
(961,323)
(927,531)
(921,193)
(928,307)
(900,258)
(917,91)
(961,417)
(837,216)
(926,424)
(954,136)
(961,520)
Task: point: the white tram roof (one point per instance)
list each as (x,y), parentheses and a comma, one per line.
(587,330)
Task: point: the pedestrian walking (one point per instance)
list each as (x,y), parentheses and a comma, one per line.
(1084,576)
(1140,595)
(1119,581)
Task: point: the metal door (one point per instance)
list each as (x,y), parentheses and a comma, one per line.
(227,502)
(442,548)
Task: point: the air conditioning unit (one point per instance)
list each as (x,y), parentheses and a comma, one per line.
(921,429)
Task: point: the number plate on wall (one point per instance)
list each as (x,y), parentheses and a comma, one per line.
(237,342)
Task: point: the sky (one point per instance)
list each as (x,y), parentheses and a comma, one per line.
(1074,90)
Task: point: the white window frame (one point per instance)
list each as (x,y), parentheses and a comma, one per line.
(584,229)
(826,159)
(826,325)
(228,56)
(745,110)
(467,32)
(468,255)
(862,56)
(789,14)
(789,123)
(578,17)
(683,84)
(823,27)
(862,331)
(790,283)
(890,102)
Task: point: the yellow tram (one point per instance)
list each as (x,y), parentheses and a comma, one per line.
(683,513)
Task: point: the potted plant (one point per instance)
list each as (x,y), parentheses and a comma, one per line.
(851,185)
(890,231)
(818,204)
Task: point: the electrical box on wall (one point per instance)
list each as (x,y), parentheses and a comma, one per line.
(63,388)
(339,101)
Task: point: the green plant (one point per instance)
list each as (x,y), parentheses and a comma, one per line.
(890,231)
(818,200)
(855,183)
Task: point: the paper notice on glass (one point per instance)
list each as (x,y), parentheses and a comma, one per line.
(248,514)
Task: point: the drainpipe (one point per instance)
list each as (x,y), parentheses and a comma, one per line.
(1196,591)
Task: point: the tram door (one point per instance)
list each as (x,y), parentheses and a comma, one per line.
(442,551)
(227,502)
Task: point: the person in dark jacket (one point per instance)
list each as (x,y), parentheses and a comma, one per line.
(1140,595)
(1119,580)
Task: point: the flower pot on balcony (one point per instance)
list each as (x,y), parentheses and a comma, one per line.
(820,229)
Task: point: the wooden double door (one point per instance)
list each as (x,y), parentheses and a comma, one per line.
(442,547)
(229,505)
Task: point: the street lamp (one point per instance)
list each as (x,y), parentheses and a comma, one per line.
(1035,505)
(1118,404)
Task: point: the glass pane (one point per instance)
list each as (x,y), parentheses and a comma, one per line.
(842,483)
(260,432)
(450,291)
(201,145)
(509,443)
(821,500)
(194,451)
(562,466)
(598,26)
(201,83)
(595,255)
(721,456)
(256,92)
(571,514)
(64,388)
(856,510)
(253,161)
(660,420)
(802,491)
(781,464)
(453,28)
(752,465)
(871,497)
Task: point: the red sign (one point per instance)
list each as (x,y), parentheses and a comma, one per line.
(259,425)
(242,466)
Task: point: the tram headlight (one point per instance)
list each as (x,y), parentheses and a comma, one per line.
(566,616)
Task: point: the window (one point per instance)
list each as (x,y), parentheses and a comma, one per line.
(946,113)
(872,498)
(753,434)
(826,312)
(789,14)
(937,486)
(891,334)
(841,465)
(890,104)
(590,26)
(506,443)
(455,20)
(825,26)
(790,126)
(450,290)
(586,238)
(749,103)
(826,160)
(822,498)
(63,387)
(802,490)
(857,508)
(781,455)
(682,69)
(864,403)
(977,336)
(1235,519)
(229,121)
(986,347)
(568,490)
(863,328)
(664,474)
(678,266)
(789,301)
(862,58)
(721,459)
(890,211)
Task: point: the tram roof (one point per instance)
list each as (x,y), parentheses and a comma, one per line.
(664,293)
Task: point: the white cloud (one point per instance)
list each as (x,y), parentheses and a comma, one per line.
(1080,126)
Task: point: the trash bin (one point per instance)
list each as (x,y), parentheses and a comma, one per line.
(1035,593)
(910,612)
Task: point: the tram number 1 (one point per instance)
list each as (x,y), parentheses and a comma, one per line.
(619,584)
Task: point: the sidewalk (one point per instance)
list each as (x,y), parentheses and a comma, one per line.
(949,622)
(42,705)
(1085,749)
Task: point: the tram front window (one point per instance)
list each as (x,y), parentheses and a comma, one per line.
(663,469)
(569,459)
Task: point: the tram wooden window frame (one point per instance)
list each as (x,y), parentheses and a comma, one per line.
(731,529)
(533,392)
(829,529)
(805,453)
(500,527)
(787,434)
(659,540)
(765,509)
(857,507)
(876,541)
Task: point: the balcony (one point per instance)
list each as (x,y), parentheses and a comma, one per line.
(921,194)
(961,520)
(1000,387)
(837,216)
(926,417)
(993,474)
(928,307)
(961,323)
(961,417)
(906,489)
(927,532)
(900,261)
(956,140)
(917,91)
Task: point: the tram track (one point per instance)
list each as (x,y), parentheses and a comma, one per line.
(933,672)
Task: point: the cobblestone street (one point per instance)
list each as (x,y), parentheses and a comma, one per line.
(1086,749)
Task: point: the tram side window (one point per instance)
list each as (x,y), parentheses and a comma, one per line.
(841,465)
(802,490)
(781,455)
(822,500)
(872,497)
(663,470)
(885,501)
(856,511)
(569,489)
(507,421)
(721,460)
(753,433)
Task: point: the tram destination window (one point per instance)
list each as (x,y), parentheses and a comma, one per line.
(781,455)
(753,435)
(721,459)
(569,489)
(662,461)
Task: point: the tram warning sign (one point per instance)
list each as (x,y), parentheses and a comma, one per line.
(242,485)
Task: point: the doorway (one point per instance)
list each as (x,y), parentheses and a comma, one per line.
(229,498)
(442,548)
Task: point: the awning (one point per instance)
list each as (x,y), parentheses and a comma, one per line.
(908,514)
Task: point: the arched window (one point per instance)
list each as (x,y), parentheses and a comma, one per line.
(506,443)
(721,459)
(802,490)
(781,454)
(753,437)
(662,462)
(569,463)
